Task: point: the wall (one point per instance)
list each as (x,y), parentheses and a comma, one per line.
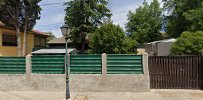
(12,50)
(161,49)
(111,82)
(164,48)
(32,83)
(148,49)
(78,82)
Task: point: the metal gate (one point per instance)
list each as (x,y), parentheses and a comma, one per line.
(175,72)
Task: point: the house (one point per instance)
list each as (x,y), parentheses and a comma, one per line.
(159,48)
(59,43)
(8,40)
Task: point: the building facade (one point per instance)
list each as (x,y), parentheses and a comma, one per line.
(8,41)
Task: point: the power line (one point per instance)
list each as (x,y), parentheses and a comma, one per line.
(127,10)
(56,3)
(50,24)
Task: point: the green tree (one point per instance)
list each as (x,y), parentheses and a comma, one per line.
(189,43)
(111,39)
(145,23)
(130,45)
(196,17)
(22,15)
(84,16)
(184,15)
(51,36)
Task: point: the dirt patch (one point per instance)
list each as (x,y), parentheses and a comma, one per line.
(81,98)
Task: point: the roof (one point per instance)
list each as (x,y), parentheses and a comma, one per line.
(166,40)
(58,40)
(54,51)
(62,40)
(1,24)
(33,31)
(39,32)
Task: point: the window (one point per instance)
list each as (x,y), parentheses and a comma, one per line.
(9,40)
(40,41)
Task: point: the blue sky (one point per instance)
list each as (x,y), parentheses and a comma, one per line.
(52,16)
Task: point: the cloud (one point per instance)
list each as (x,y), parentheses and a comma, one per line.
(57,32)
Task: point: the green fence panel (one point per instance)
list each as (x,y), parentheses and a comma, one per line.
(124,64)
(85,64)
(12,65)
(48,64)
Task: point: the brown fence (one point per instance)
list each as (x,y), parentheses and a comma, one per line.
(175,72)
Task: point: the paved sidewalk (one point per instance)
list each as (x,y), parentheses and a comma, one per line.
(153,95)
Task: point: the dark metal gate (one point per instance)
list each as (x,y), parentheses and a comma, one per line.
(175,72)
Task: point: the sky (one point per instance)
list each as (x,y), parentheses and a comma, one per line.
(52,14)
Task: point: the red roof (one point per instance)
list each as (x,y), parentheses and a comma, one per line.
(1,24)
(39,32)
(34,30)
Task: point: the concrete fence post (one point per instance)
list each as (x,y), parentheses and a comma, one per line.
(146,69)
(104,64)
(145,63)
(28,65)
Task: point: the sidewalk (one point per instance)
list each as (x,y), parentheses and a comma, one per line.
(153,95)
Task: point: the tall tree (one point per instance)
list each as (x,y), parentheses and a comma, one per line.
(84,16)
(144,24)
(196,17)
(111,39)
(31,14)
(21,14)
(179,19)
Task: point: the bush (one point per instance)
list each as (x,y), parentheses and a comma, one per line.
(111,39)
(189,43)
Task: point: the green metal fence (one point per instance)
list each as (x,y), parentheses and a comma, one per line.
(48,64)
(85,64)
(12,65)
(124,64)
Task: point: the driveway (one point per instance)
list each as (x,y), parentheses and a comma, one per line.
(152,95)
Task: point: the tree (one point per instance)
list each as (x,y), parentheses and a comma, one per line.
(189,43)
(184,15)
(111,39)
(31,14)
(144,24)
(130,45)
(21,14)
(51,36)
(196,17)
(84,16)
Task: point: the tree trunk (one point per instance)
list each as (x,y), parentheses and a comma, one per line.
(18,40)
(25,35)
(17,24)
(83,45)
